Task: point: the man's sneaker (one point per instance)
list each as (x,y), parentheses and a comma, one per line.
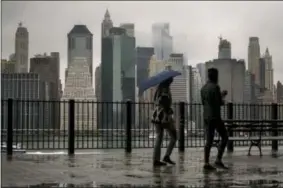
(159,163)
(219,164)
(209,167)
(168,160)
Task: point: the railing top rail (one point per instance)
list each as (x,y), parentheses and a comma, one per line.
(251,121)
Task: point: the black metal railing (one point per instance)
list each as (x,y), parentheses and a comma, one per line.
(37,125)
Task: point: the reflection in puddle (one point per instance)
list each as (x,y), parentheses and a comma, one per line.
(206,184)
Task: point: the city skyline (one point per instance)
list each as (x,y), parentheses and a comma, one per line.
(236,21)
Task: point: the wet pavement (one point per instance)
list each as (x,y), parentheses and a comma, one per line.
(114,168)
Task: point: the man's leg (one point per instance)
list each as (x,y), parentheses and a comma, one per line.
(209,134)
(157,146)
(171,130)
(222,131)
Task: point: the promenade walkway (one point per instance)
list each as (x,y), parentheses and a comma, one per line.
(103,168)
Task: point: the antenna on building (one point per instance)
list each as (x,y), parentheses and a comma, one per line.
(20,24)
(220,37)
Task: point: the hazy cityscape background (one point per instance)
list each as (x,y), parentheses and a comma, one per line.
(101,51)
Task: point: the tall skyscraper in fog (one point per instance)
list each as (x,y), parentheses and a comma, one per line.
(231,77)
(80,45)
(224,49)
(117,71)
(202,72)
(268,71)
(130,29)
(143,56)
(162,41)
(106,25)
(21,49)
(253,58)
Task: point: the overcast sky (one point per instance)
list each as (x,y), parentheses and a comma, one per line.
(199,22)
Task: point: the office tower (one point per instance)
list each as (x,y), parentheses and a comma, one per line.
(224,49)
(180,45)
(162,41)
(268,71)
(106,25)
(178,87)
(193,86)
(143,56)
(279,92)
(78,87)
(25,87)
(8,66)
(231,77)
(130,29)
(21,49)
(98,82)
(253,57)
(202,71)
(48,68)
(80,45)
(262,71)
(117,71)
(249,92)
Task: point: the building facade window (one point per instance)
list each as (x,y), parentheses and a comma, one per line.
(88,43)
(73,43)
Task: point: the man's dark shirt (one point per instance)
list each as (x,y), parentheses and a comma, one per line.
(211,100)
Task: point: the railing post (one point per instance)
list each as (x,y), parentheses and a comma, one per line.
(9,142)
(274,114)
(230,145)
(71,128)
(129,126)
(182,126)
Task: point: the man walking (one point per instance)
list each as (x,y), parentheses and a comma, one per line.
(162,118)
(212,100)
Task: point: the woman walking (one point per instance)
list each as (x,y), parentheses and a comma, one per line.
(162,118)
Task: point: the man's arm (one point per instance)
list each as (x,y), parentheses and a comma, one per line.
(218,95)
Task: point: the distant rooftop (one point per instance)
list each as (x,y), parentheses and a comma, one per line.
(80,29)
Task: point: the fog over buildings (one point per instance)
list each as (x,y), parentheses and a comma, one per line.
(204,22)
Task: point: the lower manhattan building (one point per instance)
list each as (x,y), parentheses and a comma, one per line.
(231,78)
(27,89)
(78,86)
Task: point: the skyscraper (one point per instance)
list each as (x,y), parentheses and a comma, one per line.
(253,57)
(130,29)
(162,41)
(106,25)
(21,49)
(202,71)
(117,69)
(48,69)
(279,92)
(231,77)
(78,86)
(143,55)
(262,71)
(26,86)
(97,75)
(80,45)
(224,49)
(268,71)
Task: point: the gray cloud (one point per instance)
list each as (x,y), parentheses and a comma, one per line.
(202,22)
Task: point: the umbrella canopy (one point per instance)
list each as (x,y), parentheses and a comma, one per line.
(157,79)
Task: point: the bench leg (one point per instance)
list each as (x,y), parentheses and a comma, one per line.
(259,147)
(250,148)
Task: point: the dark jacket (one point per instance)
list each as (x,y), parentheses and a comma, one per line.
(212,101)
(163,106)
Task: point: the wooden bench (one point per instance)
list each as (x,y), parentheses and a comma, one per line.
(255,130)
